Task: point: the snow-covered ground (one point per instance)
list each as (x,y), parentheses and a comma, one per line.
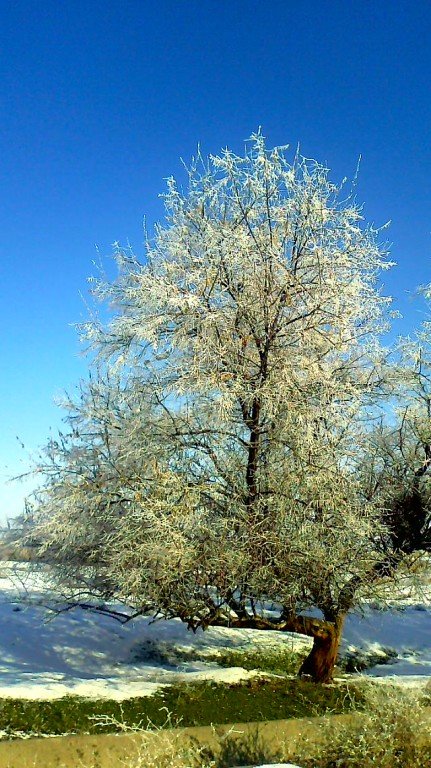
(406,630)
(80,652)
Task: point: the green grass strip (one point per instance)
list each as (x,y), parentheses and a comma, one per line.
(188,704)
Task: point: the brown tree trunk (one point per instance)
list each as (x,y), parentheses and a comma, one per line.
(319,664)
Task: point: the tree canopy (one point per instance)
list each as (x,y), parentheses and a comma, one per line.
(232,460)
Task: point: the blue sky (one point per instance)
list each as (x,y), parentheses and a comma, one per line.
(99,100)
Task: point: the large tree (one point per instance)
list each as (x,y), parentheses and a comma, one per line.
(219,468)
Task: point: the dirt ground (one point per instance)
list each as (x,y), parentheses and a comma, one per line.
(116,750)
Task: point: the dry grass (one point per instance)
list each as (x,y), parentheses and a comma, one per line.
(394,732)
(172,749)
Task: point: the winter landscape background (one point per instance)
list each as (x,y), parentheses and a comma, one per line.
(81,652)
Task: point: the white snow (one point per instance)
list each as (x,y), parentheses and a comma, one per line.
(81,652)
(44,656)
(406,629)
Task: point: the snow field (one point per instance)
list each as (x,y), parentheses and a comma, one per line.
(45,656)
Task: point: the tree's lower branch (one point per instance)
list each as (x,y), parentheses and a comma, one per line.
(304,625)
(123,618)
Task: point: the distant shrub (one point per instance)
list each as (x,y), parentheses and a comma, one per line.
(282,661)
(13,552)
(357,660)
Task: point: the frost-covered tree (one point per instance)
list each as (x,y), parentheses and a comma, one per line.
(215,472)
(397,469)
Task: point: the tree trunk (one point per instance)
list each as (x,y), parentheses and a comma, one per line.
(320,663)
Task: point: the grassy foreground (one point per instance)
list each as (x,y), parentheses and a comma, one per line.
(188,704)
(393,731)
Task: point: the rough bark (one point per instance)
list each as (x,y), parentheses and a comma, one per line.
(319,664)
(253,455)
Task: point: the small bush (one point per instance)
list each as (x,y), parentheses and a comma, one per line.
(239,750)
(357,660)
(394,732)
(282,661)
(278,661)
(174,750)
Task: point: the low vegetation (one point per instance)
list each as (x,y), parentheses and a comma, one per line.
(358,660)
(394,732)
(189,704)
(230,749)
(278,660)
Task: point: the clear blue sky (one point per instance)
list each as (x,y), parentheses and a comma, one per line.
(99,100)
